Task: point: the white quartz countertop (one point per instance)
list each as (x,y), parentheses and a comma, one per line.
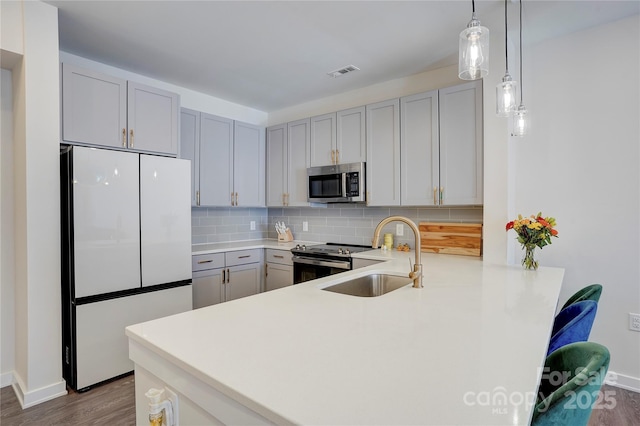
(443,354)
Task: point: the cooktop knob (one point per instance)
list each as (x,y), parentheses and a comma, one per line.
(340,251)
(346,251)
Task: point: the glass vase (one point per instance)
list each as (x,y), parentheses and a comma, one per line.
(529,261)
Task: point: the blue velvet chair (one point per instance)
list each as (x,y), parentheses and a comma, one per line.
(590,292)
(571,380)
(573,324)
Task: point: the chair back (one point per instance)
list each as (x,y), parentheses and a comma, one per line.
(570,384)
(590,292)
(573,324)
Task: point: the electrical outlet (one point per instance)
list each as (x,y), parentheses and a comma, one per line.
(399,230)
(305,226)
(634,322)
(252,225)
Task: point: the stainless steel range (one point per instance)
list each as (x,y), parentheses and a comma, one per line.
(322,260)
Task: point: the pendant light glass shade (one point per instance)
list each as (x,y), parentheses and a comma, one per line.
(520,121)
(506,90)
(473,53)
(506,96)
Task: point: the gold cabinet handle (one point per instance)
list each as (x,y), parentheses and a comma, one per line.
(441,192)
(333,157)
(197,198)
(337,156)
(435,200)
(367,198)
(287,198)
(131,138)
(283,202)
(200,262)
(232,200)
(278,256)
(124,137)
(236,198)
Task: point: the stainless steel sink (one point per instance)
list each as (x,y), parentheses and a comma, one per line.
(370,285)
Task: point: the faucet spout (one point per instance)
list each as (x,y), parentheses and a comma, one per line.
(416,273)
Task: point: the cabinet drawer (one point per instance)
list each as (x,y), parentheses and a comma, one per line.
(278,256)
(242,257)
(202,262)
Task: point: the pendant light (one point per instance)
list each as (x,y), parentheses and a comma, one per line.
(473,53)
(520,120)
(506,90)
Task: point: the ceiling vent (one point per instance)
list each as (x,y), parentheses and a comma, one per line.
(343,71)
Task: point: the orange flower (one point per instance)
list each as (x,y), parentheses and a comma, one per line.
(543,222)
(554,232)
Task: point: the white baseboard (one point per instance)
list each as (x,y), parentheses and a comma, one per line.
(34,397)
(6,379)
(622,381)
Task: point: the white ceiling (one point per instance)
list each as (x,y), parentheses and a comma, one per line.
(274,54)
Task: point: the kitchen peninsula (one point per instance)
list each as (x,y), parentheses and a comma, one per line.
(466,349)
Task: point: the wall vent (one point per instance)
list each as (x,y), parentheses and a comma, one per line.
(343,71)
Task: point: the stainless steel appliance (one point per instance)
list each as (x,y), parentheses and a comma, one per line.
(322,260)
(341,183)
(126,254)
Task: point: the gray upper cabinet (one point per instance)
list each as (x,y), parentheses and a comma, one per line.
(461,144)
(323,140)
(228,160)
(420,149)
(351,141)
(216,160)
(338,137)
(190,147)
(277,170)
(101,110)
(298,134)
(288,156)
(441,146)
(248,165)
(383,153)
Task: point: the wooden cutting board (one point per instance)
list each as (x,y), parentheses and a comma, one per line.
(451,238)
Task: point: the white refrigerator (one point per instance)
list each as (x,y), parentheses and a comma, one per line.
(126,254)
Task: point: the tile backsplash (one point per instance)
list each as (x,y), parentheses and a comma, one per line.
(340,223)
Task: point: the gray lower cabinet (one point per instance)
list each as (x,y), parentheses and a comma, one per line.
(278,269)
(221,277)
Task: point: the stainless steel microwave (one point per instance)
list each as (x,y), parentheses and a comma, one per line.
(341,183)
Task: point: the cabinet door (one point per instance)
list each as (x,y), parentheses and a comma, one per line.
(419,149)
(248,165)
(323,140)
(351,141)
(277,171)
(207,287)
(461,144)
(278,276)
(242,281)
(94,108)
(152,117)
(216,160)
(298,162)
(383,153)
(189,147)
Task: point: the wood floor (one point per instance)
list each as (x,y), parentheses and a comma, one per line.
(113,404)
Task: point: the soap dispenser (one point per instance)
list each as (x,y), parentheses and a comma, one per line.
(160,408)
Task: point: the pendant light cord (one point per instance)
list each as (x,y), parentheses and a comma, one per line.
(506,50)
(473,6)
(521,52)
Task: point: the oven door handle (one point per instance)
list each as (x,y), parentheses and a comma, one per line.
(328,263)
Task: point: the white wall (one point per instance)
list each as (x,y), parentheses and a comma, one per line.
(7,311)
(37,373)
(580,164)
(188,98)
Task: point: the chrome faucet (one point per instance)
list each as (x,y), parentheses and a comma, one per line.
(416,274)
